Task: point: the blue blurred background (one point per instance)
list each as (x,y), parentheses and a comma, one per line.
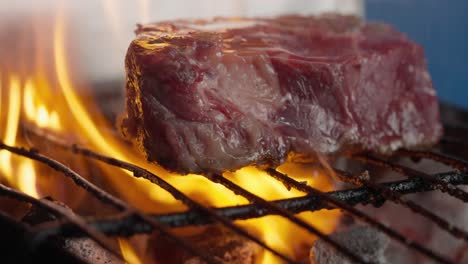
(441,26)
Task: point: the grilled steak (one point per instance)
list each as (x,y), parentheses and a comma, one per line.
(210,96)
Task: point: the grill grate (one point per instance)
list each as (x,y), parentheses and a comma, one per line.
(100,195)
(361,215)
(396,198)
(131,221)
(411,173)
(125,224)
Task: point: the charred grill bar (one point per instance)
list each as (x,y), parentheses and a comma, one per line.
(359,214)
(96,192)
(411,173)
(129,221)
(140,172)
(124,224)
(396,198)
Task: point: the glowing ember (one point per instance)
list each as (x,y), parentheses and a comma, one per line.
(47,99)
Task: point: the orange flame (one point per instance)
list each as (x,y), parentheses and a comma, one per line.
(17,172)
(36,111)
(11,125)
(127,251)
(34,99)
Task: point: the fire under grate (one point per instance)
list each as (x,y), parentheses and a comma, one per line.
(25,242)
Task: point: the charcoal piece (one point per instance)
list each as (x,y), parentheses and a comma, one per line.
(210,96)
(217,241)
(364,241)
(89,251)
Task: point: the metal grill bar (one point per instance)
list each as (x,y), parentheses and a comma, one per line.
(124,224)
(77,179)
(387,230)
(363,180)
(76,149)
(100,238)
(442,158)
(102,196)
(131,221)
(444,187)
(145,174)
(15,240)
(273,208)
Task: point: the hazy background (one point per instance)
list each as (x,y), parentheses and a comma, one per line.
(102,29)
(441,26)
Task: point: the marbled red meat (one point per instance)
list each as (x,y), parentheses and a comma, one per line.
(210,96)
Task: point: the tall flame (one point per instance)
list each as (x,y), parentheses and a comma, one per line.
(12,123)
(75,106)
(18,172)
(52,101)
(38,111)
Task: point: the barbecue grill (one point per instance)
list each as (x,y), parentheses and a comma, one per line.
(28,243)
(35,228)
